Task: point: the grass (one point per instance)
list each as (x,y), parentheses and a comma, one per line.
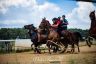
(71,62)
(87,59)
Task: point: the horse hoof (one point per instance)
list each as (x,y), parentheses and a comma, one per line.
(39,52)
(89,45)
(61,52)
(72,52)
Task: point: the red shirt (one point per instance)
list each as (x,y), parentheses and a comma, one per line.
(57,23)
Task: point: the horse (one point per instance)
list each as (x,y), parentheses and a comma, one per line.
(71,38)
(33,33)
(68,37)
(92,30)
(52,40)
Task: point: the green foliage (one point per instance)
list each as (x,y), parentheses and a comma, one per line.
(13,33)
(84,33)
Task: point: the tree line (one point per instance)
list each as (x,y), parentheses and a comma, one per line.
(13,33)
(21,33)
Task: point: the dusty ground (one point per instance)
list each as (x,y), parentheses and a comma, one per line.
(86,56)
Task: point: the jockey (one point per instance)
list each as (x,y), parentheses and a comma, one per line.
(64,23)
(56,23)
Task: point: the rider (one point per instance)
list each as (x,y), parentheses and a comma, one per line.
(60,24)
(56,23)
(64,23)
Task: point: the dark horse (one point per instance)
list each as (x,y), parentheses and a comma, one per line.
(68,37)
(92,30)
(33,33)
(71,38)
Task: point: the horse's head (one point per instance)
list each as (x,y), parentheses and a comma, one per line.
(31,30)
(44,24)
(92,15)
(30,27)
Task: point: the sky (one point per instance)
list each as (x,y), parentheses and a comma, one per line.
(17,13)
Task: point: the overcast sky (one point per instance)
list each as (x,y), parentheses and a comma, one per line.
(17,13)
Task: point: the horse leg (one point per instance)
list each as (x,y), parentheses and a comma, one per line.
(49,49)
(72,50)
(33,47)
(49,46)
(65,48)
(88,41)
(37,50)
(78,47)
(55,49)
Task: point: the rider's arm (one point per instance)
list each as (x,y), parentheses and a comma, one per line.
(56,25)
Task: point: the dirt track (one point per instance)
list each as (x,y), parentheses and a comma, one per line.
(86,56)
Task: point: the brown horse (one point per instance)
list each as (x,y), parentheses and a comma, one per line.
(42,30)
(68,37)
(71,38)
(53,36)
(92,30)
(53,40)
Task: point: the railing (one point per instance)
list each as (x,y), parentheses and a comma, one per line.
(7,46)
